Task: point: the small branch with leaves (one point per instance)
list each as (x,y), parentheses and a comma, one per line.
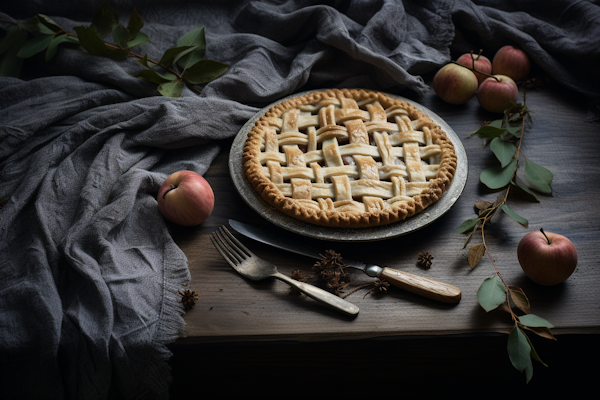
(179,66)
(505,137)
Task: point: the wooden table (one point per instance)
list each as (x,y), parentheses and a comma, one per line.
(401,343)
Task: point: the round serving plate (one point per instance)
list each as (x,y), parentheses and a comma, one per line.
(411,224)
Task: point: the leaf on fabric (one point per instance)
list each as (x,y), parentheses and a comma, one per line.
(518,183)
(135,23)
(14,34)
(173,54)
(104,21)
(91,40)
(534,321)
(156,77)
(139,39)
(498,177)
(491,293)
(48,23)
(476,252)
(539,177)
(519,298)
(194,38)
(504,151)
(52,48)
(34,45)
(35,25)
(204,71)
(171,89)
(515,216)
(145,63)
(10,64)
(121,35)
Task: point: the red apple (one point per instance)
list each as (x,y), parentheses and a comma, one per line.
(482,63)
(511,62)
(455,84)
(547,258)
(496,93)
(186,198)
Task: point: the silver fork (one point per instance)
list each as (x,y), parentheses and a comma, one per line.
(253,267)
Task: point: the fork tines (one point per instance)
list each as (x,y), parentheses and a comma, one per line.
(232,250)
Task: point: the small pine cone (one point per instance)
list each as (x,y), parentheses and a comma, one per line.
(188,298)
(424,259)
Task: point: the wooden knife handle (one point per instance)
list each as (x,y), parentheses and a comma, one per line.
(422,286)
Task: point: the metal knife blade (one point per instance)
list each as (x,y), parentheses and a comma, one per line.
(413,283)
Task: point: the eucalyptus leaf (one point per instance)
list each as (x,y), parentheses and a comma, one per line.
(116,54)
(193,38)
(476,252)
(519,350)
(35,25)
(135,23)
(13,35)
(489,131)
(515,216)
(539,177)
(140,39)
(504,151)
(91,40)
(173,54)
(498,177)
(491,293)
(52,48)
(145,63)
(121,35)
(534,353)
(34,45)
(171,89)
(466,225)
(534,321)
(153,76)
(53,26)
(518,182)
(104,21)
(204,71)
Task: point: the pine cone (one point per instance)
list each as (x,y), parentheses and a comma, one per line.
(188,298)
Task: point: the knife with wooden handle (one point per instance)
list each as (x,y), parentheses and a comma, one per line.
(419,285)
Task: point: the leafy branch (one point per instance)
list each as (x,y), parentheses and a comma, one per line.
(505,137)
(179,66)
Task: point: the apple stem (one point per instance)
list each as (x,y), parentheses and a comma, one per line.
(476,70)
(171,187)
(544,233)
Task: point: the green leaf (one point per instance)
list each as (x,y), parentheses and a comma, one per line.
(46,21)
(121,35)
(14,34)
(518,182)
(504,151)
(466,225)
(145,63)
(173,54)
(489,131)
(515,216)
(534,353)
(135,23)
(498,177)
(91,40)
(514,130)
(104,21)
(204,71)
(534,321)
(153,76)
(10,64)
(519,350)
(171,89)
(34,46)
(193,38)
(140,38)
(539,177)
(35,25)
(491,293)
(56,42)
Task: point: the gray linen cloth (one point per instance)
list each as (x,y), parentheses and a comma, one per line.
(89,274)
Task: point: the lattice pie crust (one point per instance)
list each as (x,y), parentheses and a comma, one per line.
(348,158)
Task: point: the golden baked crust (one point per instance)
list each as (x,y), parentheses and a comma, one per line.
(348,158)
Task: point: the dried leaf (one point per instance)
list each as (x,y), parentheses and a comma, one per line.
(541,331)
(482,205)
(519,298)
(475,254)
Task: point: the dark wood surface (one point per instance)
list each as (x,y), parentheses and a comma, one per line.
(254,337)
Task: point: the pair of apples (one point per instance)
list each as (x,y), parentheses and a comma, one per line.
(457,83)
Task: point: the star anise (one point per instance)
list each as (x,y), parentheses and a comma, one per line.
(300,277)
(424,259)
(331,270)
(377,285)
(188,298)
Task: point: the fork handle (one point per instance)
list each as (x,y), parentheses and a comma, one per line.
(319,294)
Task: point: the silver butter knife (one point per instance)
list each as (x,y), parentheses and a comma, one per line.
(419,285)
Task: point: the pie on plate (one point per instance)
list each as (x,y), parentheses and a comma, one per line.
(348,158)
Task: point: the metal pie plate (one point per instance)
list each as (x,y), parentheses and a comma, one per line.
(411,224)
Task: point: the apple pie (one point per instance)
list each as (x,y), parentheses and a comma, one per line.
(348,158)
